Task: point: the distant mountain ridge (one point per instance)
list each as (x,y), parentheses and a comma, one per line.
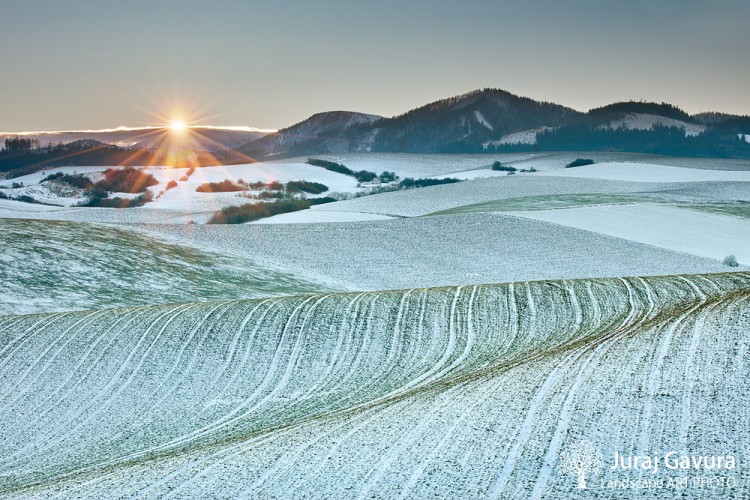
(207,138)
(491,120)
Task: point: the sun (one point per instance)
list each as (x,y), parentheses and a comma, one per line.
(177,126)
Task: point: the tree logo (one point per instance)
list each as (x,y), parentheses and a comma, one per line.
(579,458)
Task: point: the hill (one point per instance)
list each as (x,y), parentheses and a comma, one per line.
(327,132)
(210,138)
(493,120)
(444,392)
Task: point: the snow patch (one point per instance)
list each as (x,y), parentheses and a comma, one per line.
(312,216)
(522,137)
(647,172)
(643,121)
(481,119)
(683,230)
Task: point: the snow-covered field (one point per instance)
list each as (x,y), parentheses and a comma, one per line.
(460,392)
(236,367)
(315,215)
(703,234)
(435,251)
(417,165)
(184,197)
(60,266)
(643,172)
(423,201)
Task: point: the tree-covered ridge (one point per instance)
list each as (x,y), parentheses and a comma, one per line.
(641,107)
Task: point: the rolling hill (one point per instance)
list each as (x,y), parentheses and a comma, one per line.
(471,391)
(493,120)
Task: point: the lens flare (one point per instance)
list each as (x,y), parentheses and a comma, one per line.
(177,126)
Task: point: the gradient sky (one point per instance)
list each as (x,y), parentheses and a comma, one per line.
(82,64)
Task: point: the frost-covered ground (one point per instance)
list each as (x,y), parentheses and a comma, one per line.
(642,172)
(315,215)
(423,201)
(60,266)
(460,392)
(703,234)
(416,165)
(435,251)
(398,389)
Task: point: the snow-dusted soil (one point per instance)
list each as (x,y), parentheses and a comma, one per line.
(58,266)
(314,215)
(417,165)
(422,201)
(11,209)
(703,234)
(643,172)
(460,392)
(435,251)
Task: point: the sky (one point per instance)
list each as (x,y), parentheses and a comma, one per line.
(87,64)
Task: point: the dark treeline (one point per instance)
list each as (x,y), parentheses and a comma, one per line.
(670,141)
(24,156)
(254,211)
(360,175)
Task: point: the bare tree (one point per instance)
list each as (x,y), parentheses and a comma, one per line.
(581,457)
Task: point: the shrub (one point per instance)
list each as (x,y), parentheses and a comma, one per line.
(171,184)
(271,195)
(361,176)
(365,176)
(275,186)
(187,175)
(254,211)
(330,165)
(731,261)
(225,186)
(26,199)
(388,177)
(126,180)
(52,177)
(305,187)
(255,186)
(77,181)
(503,168)
(409,183)
(106,202)
(579,162)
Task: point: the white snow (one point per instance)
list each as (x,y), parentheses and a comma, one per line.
(415,165)
(481,119)
(522,137)
(645,172)
(644,121)
(680,229)
(418,393)
(434,251)
(184,196)
(312,215)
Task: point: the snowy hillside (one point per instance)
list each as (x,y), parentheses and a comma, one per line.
(644,121)
(43,270)
(470,391)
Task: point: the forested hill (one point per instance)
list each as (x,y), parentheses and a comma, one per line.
(493,120)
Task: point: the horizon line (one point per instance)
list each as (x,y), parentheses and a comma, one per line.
(124,128)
